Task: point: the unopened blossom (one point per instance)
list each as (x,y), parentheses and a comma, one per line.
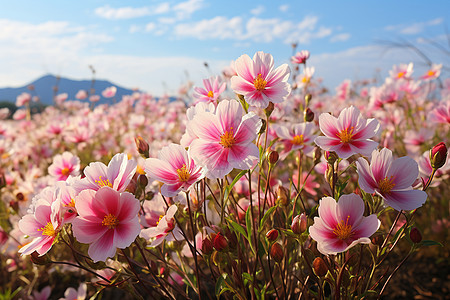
(225,139)
(64,165)
(300,57)
(402,71)
(116,175)
(211,91)
(42,226)
(166,229)
(259,82)
(425,168)
(296,137)
(109,92)
(433,72)
(392,179)
(342,225)
(107,220)
(348,134)
(175,168)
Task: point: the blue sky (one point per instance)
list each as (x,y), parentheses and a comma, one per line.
(158,45)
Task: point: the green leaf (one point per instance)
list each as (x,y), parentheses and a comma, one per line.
(238,228)
(430,243)
(229,187)
(266,215)
(248,224)
(219,284)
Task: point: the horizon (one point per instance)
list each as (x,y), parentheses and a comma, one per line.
(157,46)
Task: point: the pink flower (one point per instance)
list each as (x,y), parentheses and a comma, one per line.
(71,293)
(23,99)
(300,57)
(109,92)
(225,139)
(106,220)
(433,72)
(44,294)
(43,226)
(166,229)
(189,135)
(341,225)
(305,78)
(391,179)
(60,98)
(175,168)
(94,98)
(348,134)
(64,165)
(298,136)
(211,92)
(116,175)
(441,114)
(81,95)
(402,71)
(258,82)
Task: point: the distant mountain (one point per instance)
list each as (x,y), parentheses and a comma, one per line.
(43,87)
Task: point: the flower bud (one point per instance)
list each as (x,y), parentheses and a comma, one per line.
(438,156)
(377,239)
(220,242)
(282,196)
(263,126)
(308,98)
(308,115)
(207,246)
(317,154)
(415,235)
(269,109)
(331,157)
(143,181)
(142,146)
(39,259)
(273,157)
(319,267)
(276,252)
(299,224)
(272,235)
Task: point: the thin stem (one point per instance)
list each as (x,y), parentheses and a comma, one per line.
(392,228)
(194,248)
(393,272)
(134,272)
(270,272)
(429,180)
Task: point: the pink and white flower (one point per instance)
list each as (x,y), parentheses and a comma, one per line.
(189,135)
(81,95)
(107,220)
(402,71)
(116,175)
(348,134)
(23,99)
(300,57)
(175,168)
(392,179)
(342,225)
(211,91)
(71,293)
(258,82)
(440,114)
(166,229)
(64,165)
(109,92)
(298,136)
(433,72)
(225,139)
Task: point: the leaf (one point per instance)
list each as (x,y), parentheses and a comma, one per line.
(430,243)
(266,215)
(229,187)
(219,284)
(238,228)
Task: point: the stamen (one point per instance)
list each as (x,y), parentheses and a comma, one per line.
(48,229)
(183,174)
(343,230)
(227,139)
(345,135)
(401,74)
(386,185)
(103,183)
(211,94)
(111,221)
(259,83)
(298,140)
(65,171)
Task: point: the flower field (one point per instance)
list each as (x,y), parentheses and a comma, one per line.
(259,184)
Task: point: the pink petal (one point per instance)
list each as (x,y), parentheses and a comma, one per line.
(328,125)
(244,67)
(126,232)
(350,208)
(103,248)
(327,211)
(160,170)
(380,163)
(405,200)
(404,171)
(87,230)
(365,177)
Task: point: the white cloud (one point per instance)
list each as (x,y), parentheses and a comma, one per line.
(257,10)
(134,29)
(284,8)
(107,12)
(150,27)
(414,28)
(185,9)
(342,37)
(255,29)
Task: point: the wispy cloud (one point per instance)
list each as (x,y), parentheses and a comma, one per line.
(414,28)
(257,10)
(107,12)
(254,29)
(342,37)
(284,7)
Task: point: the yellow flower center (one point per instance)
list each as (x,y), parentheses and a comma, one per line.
(259,83)
(343,230)
(211,94)
(386,185)
(401,74)
(297,140)
(305,79)
(140,170)
(183,174)
(101,182)
(160,217)
(431,73)
(48,229)
(111,221)
(345,135)
(227,139)
(65,171)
